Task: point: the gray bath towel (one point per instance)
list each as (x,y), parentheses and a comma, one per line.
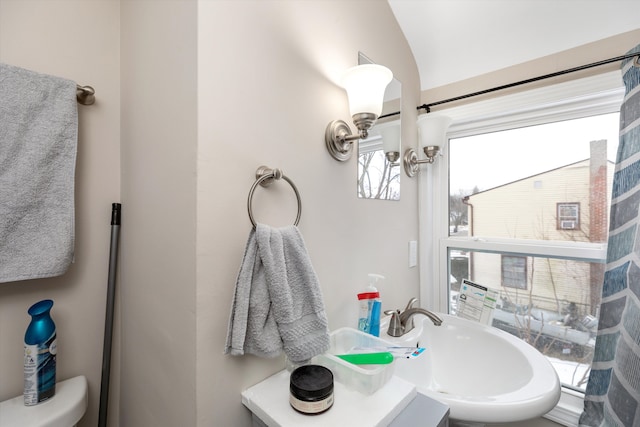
(38,141)
(277,303)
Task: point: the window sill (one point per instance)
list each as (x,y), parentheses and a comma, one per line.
(567,411)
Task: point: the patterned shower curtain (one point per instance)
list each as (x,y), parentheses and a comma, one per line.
(613,391)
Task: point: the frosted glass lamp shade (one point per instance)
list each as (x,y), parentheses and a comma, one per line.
(432,129)
(390,133)
(432,132)
(365,86)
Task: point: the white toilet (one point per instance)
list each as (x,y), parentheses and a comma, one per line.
(64,409)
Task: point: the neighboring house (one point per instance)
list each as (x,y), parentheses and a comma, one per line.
(568,203)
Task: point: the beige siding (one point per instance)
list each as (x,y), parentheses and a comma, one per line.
(527,209)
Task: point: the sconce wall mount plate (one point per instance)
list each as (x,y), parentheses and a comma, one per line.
(337,139)
(412,163)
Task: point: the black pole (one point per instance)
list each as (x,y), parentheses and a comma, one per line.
(428,106)
(108,324)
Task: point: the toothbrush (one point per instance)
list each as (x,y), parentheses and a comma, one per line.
(381,358)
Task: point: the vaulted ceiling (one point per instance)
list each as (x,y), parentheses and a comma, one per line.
(453,40)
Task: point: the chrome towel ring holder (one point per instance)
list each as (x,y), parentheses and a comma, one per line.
(265,177)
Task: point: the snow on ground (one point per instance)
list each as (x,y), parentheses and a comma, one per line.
(570,373)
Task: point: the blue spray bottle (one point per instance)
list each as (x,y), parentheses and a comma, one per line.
(370,307)
(40,348)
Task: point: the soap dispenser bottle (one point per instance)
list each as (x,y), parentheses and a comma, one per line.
(40,349)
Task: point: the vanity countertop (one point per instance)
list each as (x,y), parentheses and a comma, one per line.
(269,401)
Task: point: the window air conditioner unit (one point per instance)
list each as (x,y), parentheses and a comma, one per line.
(568,225)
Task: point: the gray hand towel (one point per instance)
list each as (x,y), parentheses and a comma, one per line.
(38,140)
(277,303)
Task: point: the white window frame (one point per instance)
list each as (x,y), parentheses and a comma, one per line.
(568,222)
(593,95)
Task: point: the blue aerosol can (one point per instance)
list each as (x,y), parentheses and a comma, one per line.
(40,350)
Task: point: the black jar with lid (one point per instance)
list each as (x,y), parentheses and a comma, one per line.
(311,389)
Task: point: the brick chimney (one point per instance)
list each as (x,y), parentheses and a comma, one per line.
(598,192)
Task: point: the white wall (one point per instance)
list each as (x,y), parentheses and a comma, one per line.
(78,40)
(159,88)
(267,89)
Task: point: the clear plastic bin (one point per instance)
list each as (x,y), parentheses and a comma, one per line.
(363,378)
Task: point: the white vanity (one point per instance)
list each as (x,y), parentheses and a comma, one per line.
(396,404)
(363,395)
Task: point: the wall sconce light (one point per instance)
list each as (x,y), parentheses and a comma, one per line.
(390,134)
(365,86)
(432,130)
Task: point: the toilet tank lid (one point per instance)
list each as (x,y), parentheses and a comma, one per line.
(64,409)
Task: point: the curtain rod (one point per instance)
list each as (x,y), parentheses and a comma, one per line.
(531,80)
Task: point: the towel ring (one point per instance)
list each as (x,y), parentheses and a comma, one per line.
(265,177)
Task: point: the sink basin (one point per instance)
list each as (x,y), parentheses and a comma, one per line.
(483,374)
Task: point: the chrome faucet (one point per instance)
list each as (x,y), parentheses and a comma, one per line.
(402,322)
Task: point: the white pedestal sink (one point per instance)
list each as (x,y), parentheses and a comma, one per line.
(483,374)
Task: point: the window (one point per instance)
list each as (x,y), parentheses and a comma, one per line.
(568,216)
(514,272)
(525,202)
(524,185)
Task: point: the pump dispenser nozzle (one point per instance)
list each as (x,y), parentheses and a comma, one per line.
(374,279)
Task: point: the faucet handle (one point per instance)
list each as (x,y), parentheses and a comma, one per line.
(410,304)
(395,328)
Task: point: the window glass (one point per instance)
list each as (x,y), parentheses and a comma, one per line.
(525,183)
(549,184)
(553,313)
(514,272)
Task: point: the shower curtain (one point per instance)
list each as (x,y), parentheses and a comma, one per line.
(613,391)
